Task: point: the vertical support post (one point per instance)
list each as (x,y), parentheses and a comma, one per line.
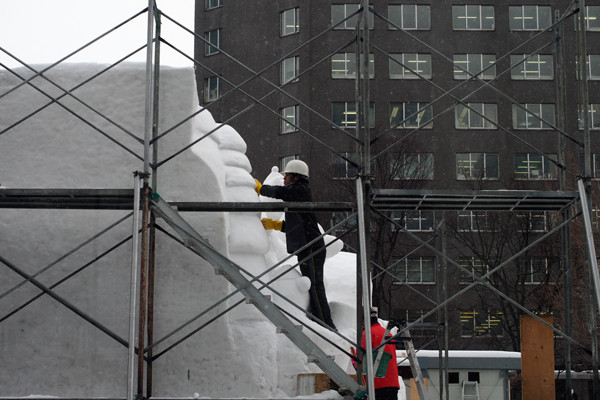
(148,123)
(561,112)
(584,110)
(133,289)
(149,88)
(151,264)
(366,286)
(143,287)
(152,228)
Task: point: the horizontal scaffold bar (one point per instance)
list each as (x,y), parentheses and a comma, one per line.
(481,200)
(122,199)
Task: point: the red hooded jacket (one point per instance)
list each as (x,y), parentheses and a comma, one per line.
(391,376)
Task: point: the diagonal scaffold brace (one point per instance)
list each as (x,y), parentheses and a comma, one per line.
(231,272)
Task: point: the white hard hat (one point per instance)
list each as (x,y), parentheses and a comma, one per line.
(296,167)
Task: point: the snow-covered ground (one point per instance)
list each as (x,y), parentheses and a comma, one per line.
(47,349)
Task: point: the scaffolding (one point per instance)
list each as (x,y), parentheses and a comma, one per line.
(145,206)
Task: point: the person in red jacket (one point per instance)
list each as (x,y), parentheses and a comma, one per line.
(386,388)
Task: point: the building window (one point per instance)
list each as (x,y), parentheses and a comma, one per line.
(213,42)
(475,221)
(411,115)
(289,119)
(473,376)
(212,88)
(284,160)
(344,167)
(595,161)
(530,18)
(409,17)
(339,12)
(472,117)
(594,117)
(532,222)
(289,70)
(453,378)
(210,4)
(532,67)
(415,270)
(532,166)
(539,269)
(344,114)
(412,166)
(592,18)
(468,65)
(533,116)
(593,66)
(473,18)
(477,166)
(343,65)
(476,323)
(413,221)
(347,224)
(410,66)
(290,21)
(473,268)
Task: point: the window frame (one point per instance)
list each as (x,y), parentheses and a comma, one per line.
(467,15)
(541,110)
(338,163)
(549,170)
(421,22)
(476,59)
(210,47)
(425,220)
(288,64)
(480,327)
(349,65)
(212,4)
(486,158)
(212,88)
(401,60)
(419,115)
(596,26)
(472,264)
(525,14)
(349,24)
(289,125)
(594,123)
(402,268)
(522,60)
(477,221)
(469,110)
(409,169)
(347,111)
(284,22)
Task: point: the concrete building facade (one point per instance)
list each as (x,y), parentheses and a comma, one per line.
(285,72)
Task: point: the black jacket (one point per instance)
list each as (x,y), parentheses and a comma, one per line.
(299,227)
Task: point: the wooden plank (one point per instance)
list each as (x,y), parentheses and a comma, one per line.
(537,358)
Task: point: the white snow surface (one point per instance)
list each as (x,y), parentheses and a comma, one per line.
(51,350)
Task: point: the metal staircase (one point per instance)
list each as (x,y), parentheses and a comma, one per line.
(470,390)
(231,272)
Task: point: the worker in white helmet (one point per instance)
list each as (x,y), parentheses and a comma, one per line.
(301,228)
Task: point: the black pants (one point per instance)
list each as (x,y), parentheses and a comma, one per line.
(312,267)
(388,393)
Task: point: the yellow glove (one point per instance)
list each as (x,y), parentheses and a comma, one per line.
(258,186)
(268,223)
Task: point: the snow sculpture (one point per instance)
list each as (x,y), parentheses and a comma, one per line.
(238,355)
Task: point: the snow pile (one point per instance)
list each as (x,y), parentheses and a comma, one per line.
(53,351)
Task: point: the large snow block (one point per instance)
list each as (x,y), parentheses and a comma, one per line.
(92,139)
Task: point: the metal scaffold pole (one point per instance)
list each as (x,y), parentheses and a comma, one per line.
(134,287)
